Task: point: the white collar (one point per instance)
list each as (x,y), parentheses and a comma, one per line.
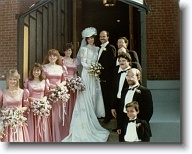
(120,69)
(104,44)
(136,85)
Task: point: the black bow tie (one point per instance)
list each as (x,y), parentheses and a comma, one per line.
(131,120)
(123,71)
(133,88)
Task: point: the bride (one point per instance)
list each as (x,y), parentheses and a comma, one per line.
(89,106)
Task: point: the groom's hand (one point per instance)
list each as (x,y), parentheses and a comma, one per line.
(114,113)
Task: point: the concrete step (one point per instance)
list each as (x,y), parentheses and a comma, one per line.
(113,136)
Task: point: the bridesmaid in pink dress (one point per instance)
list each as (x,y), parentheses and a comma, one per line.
(14,97)
(71,65)
(39,126)
(55,73)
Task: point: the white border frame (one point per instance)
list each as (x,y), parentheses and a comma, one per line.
(185,147)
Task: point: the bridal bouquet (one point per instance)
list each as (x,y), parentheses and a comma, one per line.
(75,84)
(95,69)
(1,128)
(41,107)
(13,117)
(59,93)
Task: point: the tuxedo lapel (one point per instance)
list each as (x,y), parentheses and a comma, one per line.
(136,94)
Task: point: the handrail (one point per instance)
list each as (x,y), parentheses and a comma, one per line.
(37,5)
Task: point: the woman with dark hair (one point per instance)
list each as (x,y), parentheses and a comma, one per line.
(39,126)
(71,64)
(89,106)
(56,73)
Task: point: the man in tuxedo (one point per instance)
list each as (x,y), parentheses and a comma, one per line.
(135,92)
(119,80)
(123,42)
(107,58)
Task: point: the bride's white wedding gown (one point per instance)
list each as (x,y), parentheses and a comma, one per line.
(89,105)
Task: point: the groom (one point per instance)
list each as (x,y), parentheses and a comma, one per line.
(107,58)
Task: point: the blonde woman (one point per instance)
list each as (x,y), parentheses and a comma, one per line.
(14,97)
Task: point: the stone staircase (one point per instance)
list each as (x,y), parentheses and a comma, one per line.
(113,136)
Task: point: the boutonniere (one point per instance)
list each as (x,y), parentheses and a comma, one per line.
(138,124)
(104,49)
(138,91)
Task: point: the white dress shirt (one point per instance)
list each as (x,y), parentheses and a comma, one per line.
(122,80)
(129,96)
(102,48)
(131,133)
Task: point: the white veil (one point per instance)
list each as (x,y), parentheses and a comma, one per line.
(87,32)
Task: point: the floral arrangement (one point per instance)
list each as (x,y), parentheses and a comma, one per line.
(41,107)
(75,83)
(95,69)
(138,124)
(13,117)
(59,93)
(138,91)
(1,128)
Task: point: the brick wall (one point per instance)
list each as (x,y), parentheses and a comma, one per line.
(8,31)
(163,40)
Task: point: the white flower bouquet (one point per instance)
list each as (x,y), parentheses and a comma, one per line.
(95,69)
(41,107)
(1,128)
(13,117)
(75,83)
(59,93)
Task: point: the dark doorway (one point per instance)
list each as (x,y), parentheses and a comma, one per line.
(113,19)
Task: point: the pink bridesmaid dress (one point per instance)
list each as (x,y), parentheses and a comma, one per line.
(72,71)
(20,133)
(57,117)
(39,126)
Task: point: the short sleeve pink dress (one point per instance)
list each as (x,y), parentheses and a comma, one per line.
(39,126)
(19,133)
(57,114)
(72,70)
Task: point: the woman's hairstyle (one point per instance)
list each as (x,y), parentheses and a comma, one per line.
(55,53)
(133,104)
(36,66)
(93,36)
(68,46)
(12,73)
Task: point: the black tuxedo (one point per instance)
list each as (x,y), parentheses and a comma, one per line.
(115,87)
(134,56)
(143,131)
(107,60)
(144,98)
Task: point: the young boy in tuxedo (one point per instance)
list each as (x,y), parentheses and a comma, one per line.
(135,129)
